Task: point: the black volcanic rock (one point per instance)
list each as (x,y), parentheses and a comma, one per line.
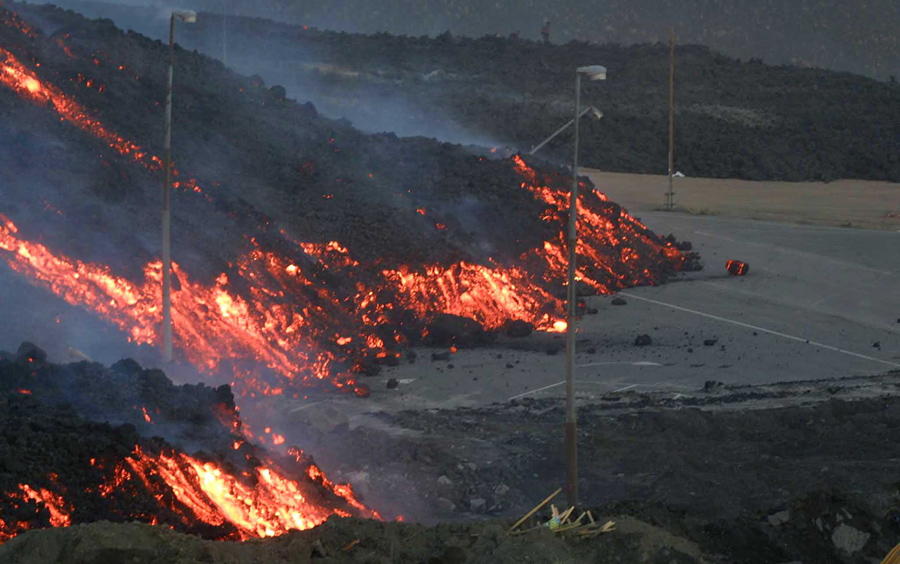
(739,118)
(127,366)
(29,353)
(519,328)
(448,329)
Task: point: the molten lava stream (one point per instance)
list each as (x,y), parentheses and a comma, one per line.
(267,505)
(23,81)
(186,492)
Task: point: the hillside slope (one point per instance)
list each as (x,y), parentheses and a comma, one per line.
(733,119)
(857,36)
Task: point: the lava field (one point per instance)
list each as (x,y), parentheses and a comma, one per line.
(307,253)
(312,251)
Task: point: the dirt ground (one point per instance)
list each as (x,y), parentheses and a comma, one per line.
(775,473)
(351,540)
(843,203)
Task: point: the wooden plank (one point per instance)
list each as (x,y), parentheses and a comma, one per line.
(535,510)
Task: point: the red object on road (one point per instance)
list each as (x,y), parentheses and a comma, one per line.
(737,268)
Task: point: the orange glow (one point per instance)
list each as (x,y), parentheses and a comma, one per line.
(17,77)
(491,295)
(598,235)
(212,322)
(60,513)
(146,415)
(268,504)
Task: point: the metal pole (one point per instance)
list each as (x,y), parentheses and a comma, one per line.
(572,304)
(558,131)
(670,196)
(166,215)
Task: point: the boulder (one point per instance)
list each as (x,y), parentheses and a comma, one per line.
(519,328)
(448,329)
(30,353)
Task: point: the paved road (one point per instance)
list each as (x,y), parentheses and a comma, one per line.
(839,289)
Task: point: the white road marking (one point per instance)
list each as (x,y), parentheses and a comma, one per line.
(627,386)
(529,392)
(764,330)
(638,363)
(302,407)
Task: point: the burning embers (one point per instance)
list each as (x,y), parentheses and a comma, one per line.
(25,82)
(284,315)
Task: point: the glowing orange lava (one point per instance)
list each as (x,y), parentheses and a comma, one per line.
(17,77)
(492,296)
(20,79)
(265,504)
(55,504)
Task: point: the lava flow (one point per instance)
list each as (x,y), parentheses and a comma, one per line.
(25,82)
(17,77)
(278,318)
(273,322)
(263,504)
(171,487)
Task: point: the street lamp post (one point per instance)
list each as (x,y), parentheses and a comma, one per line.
(594,72)
(185,16)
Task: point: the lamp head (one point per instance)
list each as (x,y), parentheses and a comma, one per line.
(592,72)
(596,113)
(186,16)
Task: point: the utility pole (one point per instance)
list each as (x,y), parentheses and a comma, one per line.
(186,16)
(167,210)
(571,312)
(594,72)
(670,195)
